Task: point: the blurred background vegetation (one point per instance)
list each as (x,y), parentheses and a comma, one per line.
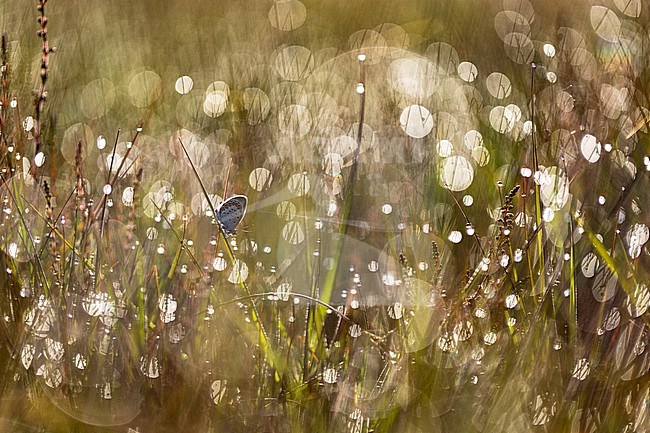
(445,231)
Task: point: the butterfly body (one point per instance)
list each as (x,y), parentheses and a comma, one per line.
(230,213)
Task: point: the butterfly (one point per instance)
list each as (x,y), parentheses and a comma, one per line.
(230,213)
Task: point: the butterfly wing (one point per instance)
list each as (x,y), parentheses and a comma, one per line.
(231,212)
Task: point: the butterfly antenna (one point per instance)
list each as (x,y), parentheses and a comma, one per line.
(225,187)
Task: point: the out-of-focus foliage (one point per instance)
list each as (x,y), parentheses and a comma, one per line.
(445,228)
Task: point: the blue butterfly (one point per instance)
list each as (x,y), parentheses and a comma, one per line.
(230,213)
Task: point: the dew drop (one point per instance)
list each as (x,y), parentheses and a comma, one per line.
(330,375)
(101,142)
(511,301)
(39,159)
